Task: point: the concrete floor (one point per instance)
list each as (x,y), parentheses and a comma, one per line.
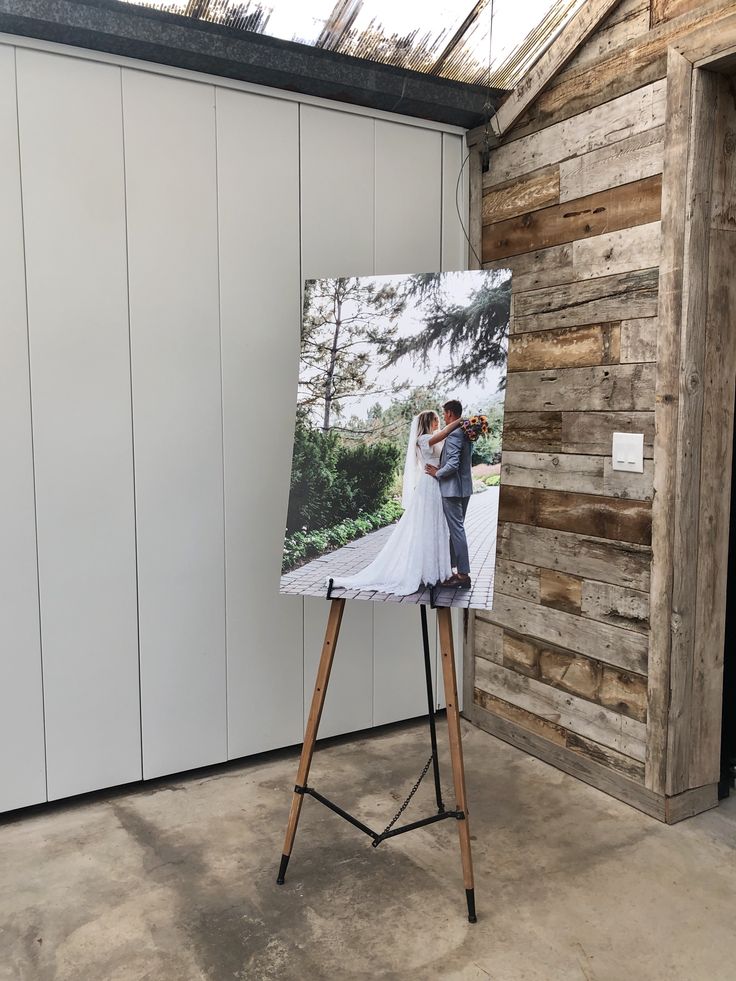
(176,881)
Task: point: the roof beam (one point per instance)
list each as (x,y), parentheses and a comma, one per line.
(576,32)
(201,46)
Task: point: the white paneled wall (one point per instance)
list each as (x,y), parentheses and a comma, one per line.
(171,183)
(258,194)
(163,224)
(22,758)
(71,151)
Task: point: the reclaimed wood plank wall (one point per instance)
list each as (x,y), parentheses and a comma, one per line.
(571,202)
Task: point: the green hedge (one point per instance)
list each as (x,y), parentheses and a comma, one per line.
(492,480)
(303,545)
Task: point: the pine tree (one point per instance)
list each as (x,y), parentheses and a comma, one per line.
(346,323)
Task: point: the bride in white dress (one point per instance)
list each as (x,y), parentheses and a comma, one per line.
(418,551)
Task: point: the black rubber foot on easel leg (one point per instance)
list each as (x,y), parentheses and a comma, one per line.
(470,896)
(282,870)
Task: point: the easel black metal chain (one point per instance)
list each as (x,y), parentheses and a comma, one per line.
(413,790)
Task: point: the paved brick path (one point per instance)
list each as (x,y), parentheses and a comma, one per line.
(480,528)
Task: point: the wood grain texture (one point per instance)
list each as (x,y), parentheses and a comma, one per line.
(576,714)
(622,72)
(560,590)
(663,10)
(622,162)
(475,206)
(627,20)
(532,431)
(620,648)
(617,252)
(620,207)
(528,193)
(613,388)
(615,120)
(545,68)
(488,641)
(689,428)
(592,432)
(719,372)
(517,579)
(638,340)
(674,183)
(618,563)
(533,270)
(598,772)
(576,473)
(623,691)
(625,296)
(558,736)
(567,347)
(618,605)
(586,514)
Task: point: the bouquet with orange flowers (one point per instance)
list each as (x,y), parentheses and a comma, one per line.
(474,427)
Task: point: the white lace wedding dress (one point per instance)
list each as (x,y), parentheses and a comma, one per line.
(418,550)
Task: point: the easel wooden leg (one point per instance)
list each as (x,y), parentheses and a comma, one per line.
(337,606)
(447,649)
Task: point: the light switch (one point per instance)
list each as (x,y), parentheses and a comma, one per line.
(628,452)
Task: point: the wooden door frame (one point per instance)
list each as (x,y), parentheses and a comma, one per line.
(696,366)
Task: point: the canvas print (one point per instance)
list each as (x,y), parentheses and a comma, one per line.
(397,444)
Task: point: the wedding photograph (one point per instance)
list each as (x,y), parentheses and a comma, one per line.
(397,440)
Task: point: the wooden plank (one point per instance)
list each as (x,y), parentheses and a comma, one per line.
(553,471)
(614,208)
(689,428)
(620,648)
(517,579)
(619,563)
(708,38)
(628,20)
(598,772)
(566,347)
(588,514)
(532,431)
(618,605)
(638,340)
(625,296)
(582,717)
(716,455)
(617,252)
(663,10)
(555,734)
(521,655)
(475,205)
(623,692)
(616,120)
(560,590)
(614,388)
(488,641)
(624,484)
(622,162)
(545,68)
(528,193)
(674,182)
(691,802)
(624,71)
(533,270)
(592,432)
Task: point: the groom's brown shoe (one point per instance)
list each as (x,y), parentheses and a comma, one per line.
(457,582)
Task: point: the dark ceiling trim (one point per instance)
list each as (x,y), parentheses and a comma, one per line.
(168,39)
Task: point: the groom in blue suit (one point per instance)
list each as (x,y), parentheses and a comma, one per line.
(456,486)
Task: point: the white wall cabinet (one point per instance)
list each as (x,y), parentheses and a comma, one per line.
(160,225)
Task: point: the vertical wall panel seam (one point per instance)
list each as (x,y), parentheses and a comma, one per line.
(30,411)
(442,202)
(222,420)
(132,416)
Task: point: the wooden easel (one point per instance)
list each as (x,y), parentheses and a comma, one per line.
(337,607)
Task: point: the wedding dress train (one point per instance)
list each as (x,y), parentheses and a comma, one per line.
(418,550)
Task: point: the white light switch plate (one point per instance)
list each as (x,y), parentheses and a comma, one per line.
(628,452)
